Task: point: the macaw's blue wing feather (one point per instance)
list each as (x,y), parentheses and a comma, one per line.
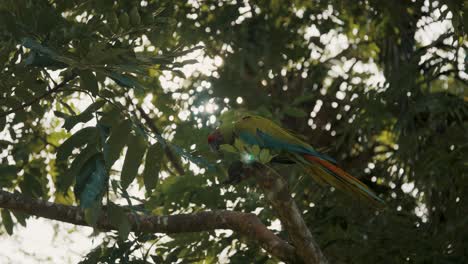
(250,139)
(278,144)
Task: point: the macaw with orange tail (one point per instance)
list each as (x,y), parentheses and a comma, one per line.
(256,130)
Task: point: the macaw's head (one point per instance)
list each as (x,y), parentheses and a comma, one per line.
(222,135)
(215,139)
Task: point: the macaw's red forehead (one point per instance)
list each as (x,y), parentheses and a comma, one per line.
(211,137)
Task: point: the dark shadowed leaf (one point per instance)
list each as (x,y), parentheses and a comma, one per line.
(31,185)
(65,180)
(2,122)
(125,80)
(91,182)
(8,173)
(153,159)
(84,117)
(294,111)
(7,221)
(136,150)
(87,135)
(117,140)
(21,217)
(88,82)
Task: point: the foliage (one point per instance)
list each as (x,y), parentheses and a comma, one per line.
(247,153)
(367,82)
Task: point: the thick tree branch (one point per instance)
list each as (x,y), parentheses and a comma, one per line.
(169,154)
(278,195)
(37,99)
(243,223)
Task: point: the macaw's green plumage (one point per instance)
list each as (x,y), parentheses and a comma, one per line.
(256,130)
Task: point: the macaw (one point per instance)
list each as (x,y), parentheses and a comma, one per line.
(256,130)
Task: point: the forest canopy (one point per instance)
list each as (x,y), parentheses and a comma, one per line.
(106,105)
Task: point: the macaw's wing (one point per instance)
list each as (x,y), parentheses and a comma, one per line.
(274,143)
(255,130)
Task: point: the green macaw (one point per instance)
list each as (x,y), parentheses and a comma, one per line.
(256,130)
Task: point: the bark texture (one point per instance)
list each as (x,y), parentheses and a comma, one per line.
(277,193)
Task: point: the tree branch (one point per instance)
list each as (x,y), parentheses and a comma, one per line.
(37,99)
(243,223)
(277,193)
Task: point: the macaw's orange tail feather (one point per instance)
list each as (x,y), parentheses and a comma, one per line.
(338,178)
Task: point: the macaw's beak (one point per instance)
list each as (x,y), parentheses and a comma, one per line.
(214,140)
(214,147)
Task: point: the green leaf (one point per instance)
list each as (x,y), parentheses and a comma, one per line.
(7,221)
(80,138)
(61,114)
(21,217)
(91,182)
(124,20)
(154,156)
(85,116)
(303,98)
(255,150)
(4,143)
(47,52)
(294,111)
(8,174)
(31,186)
(88,81)
(113,20)
(264,156)
(228,148)
(136,150)
(135,18)
(118,218)
(39,60)
(65,180)
(239,144)
(2,122)
(117,140)
(125,80)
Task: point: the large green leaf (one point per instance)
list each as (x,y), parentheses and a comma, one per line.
(87,135)
(136,150)
(294,111)
(88,81)
(31,186)
(2,122)
(153,159)
(85,116)
(117,140)
(21,217)
(91,181)
(7,221)
(37,47)
(125,80)
(7,174)
(65,180)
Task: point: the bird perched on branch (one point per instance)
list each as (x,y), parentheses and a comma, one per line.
(255,130)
